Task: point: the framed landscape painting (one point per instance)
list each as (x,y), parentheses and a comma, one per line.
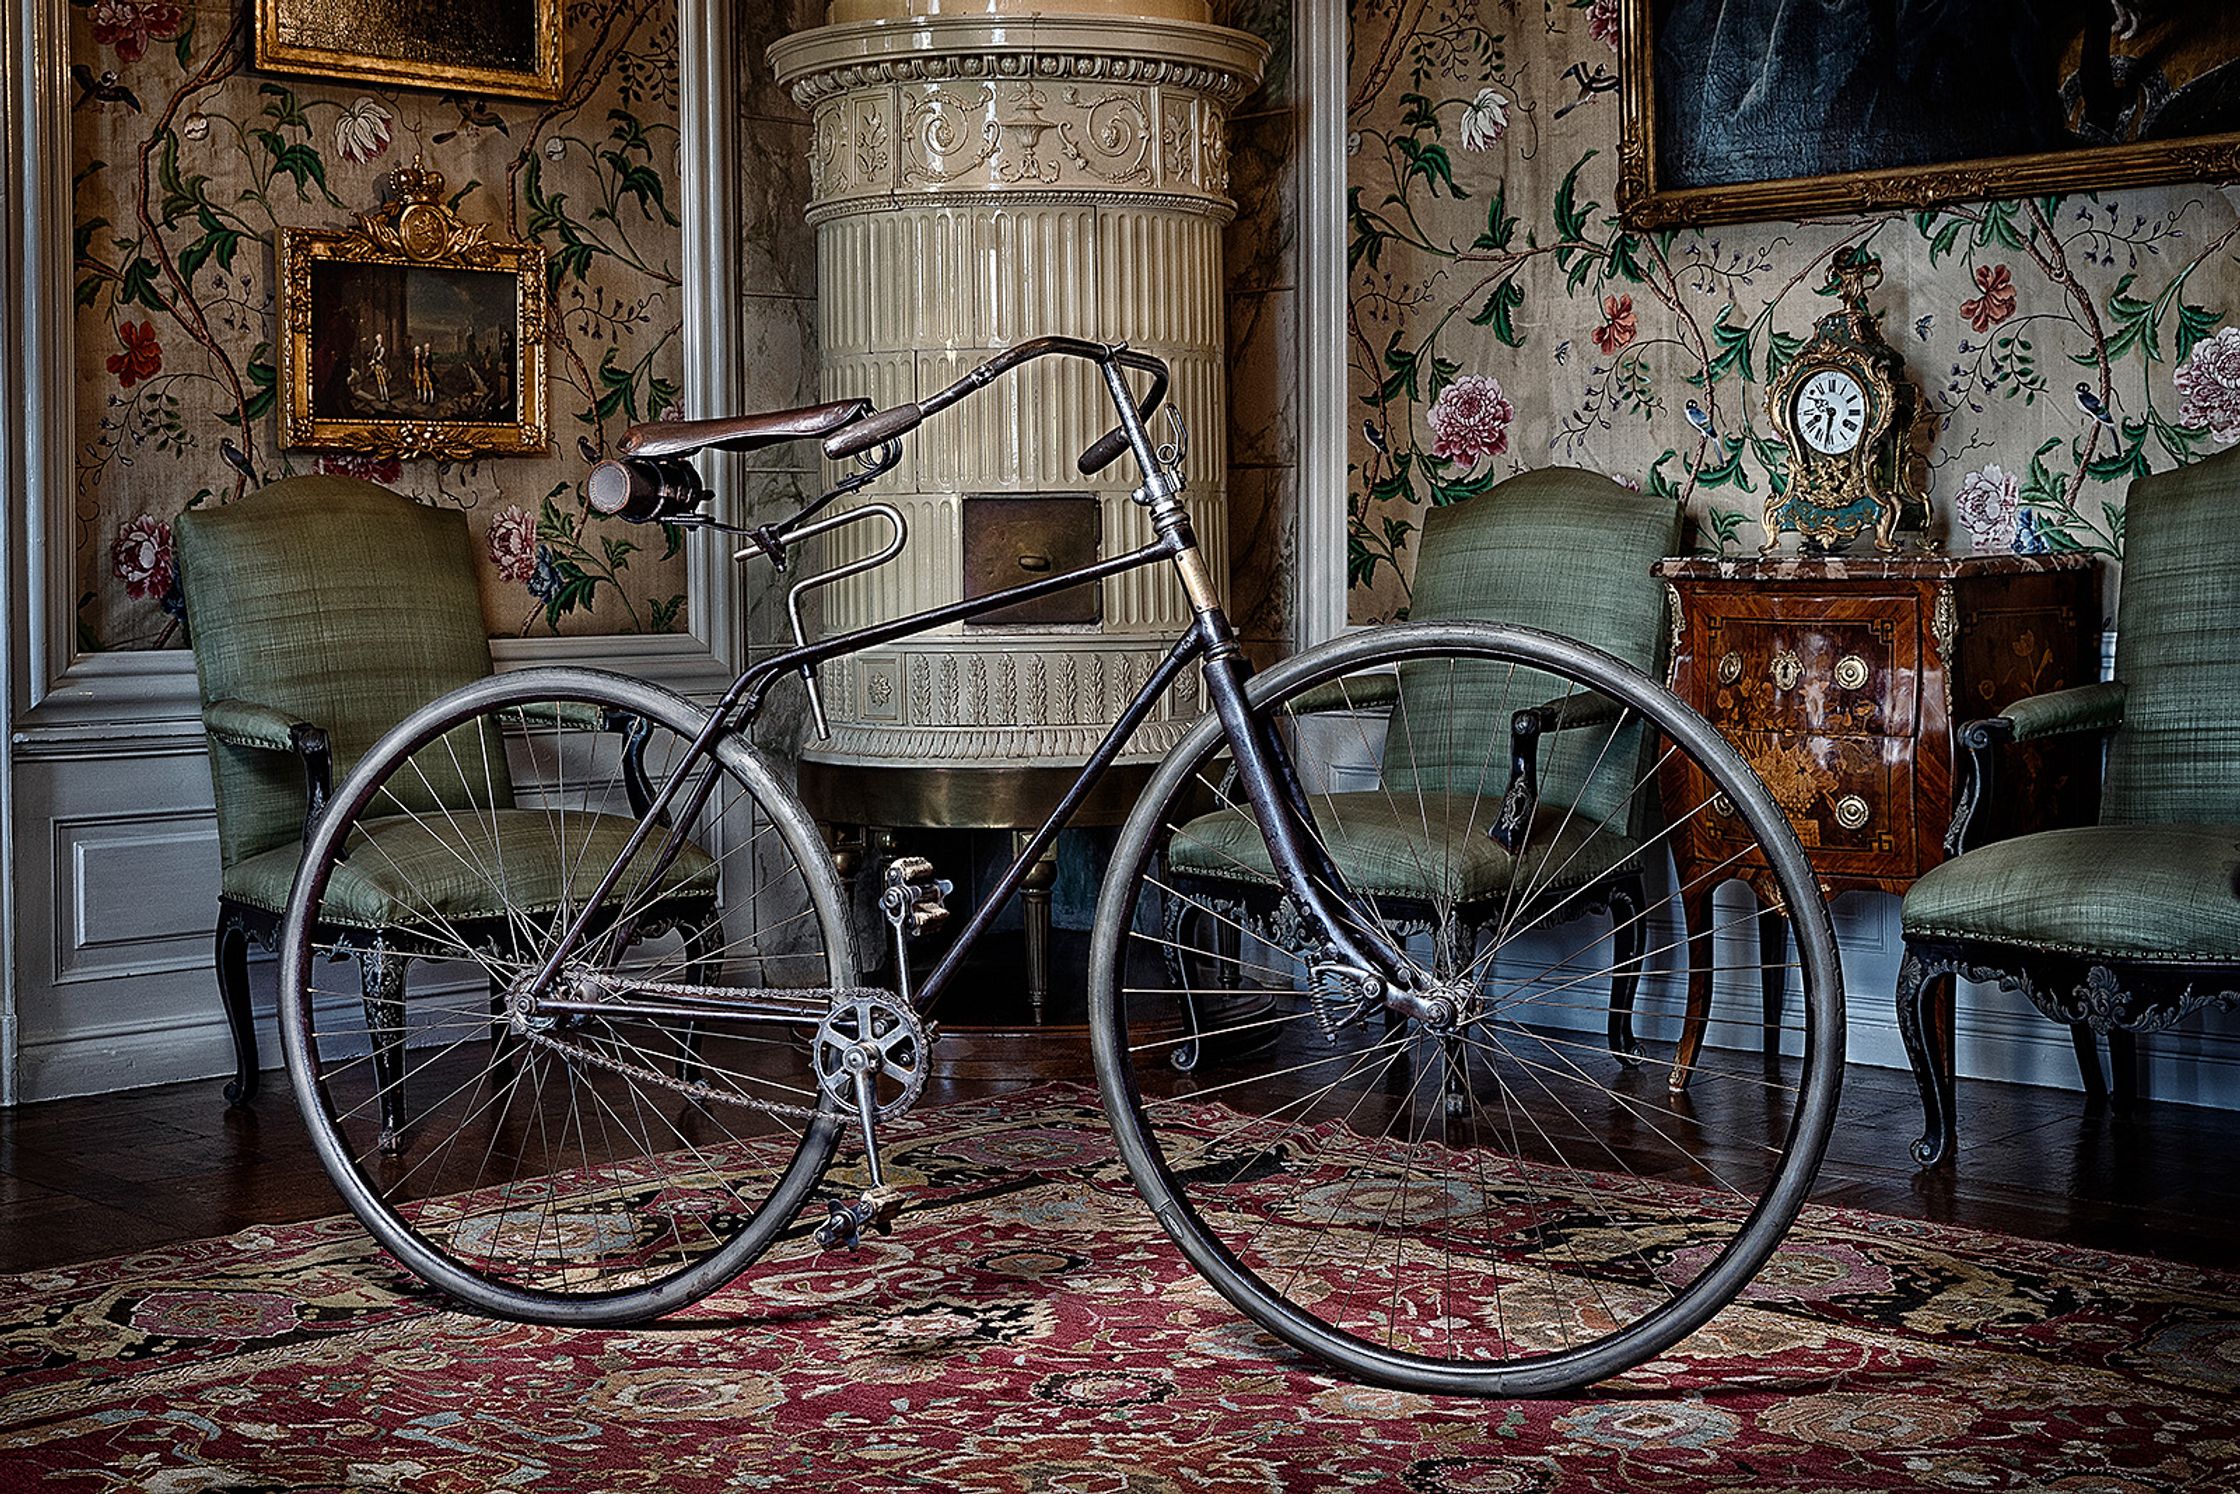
(1734,110)
(509,47)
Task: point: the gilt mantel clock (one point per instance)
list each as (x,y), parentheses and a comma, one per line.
(1846,411)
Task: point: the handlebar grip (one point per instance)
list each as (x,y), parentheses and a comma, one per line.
(874,430)
(1103,452)
(644,490)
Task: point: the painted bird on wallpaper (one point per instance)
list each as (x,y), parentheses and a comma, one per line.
(104,89)
(2090,403)
(1701,421)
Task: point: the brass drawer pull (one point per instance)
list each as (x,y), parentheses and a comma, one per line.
(1787,670)
(1730,667)
(1852,812)
(1851,671)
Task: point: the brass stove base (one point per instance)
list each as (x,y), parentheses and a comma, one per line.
(849,797)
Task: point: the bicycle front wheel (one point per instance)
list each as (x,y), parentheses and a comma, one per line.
(617,1154)
(1511,1198)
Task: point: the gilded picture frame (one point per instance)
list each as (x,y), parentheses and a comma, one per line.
(413,334)
(1681,167)
(505,47)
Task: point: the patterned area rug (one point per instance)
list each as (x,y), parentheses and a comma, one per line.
(1029,1328)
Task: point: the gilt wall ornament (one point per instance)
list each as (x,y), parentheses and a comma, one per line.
(412,334)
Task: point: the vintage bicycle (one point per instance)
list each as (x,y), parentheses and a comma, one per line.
(1386,1123)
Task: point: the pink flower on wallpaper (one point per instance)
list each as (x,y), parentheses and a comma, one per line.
(1989,507)
(1602,21)
(1470,419)
(1996,304)
(128,25)
(141,556)
(364,130)
(142,357)
(1619,325)
(513,543)
(364,468)
(2209,385)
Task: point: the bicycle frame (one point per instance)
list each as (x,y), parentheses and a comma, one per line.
(1264,767)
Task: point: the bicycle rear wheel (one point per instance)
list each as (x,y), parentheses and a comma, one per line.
(600,1164)
(1512,1202)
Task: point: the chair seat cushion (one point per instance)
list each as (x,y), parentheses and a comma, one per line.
(2151,892)
(1406,845)
(402,870)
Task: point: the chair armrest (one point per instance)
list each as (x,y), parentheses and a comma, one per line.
(1565,713)
(245,723)
(1357,693)
(2083,708)
(2097,707)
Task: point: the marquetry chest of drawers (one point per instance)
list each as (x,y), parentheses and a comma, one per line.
(1844,681)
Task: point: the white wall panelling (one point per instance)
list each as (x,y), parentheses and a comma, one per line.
(108,856)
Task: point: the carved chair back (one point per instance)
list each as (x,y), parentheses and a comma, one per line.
(341,604)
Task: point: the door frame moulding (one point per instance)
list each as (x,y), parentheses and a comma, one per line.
(1318,82)
(63,705)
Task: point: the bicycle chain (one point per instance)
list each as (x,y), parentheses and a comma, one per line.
(690,1088)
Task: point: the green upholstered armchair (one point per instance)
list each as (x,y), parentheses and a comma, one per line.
(1557,549)
(322,611)
(2130,923)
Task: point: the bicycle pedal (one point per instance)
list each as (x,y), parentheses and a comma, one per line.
(914,897)
(844,1223)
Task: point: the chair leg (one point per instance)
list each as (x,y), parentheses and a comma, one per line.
(2087,1046)
(233,991)
(1628,938)
(2123,1065)
(1773,972)
(381,977)
(1696,908)
(1925,1022)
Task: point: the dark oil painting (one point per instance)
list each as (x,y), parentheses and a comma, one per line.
(480,34)
(404,342)
(1769,90)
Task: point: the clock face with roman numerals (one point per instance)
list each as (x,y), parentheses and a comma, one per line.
(1830,412)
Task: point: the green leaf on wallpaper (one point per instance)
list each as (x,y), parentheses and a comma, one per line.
(282,108)
(1660,485)
(2132,325)
(1729,472)
(1498,309)
(548,215)
(1997,225)
(2127,461)
(2194,324)
(1725,526)
(1429,162)
(1402,377)
(139,284)
(1443,373)
(298,161)
(1774,457)
(1501,226)
(2113,514)
(636,178)
(218,242)
(1621,261)
(1730,348)
(1571,220)
(662,614)
(264,382)
(1368,239)
(1781,348)
(1946,239)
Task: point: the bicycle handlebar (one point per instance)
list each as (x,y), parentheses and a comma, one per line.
(888,424)
(653,480)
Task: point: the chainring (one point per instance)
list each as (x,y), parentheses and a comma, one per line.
(876,1033)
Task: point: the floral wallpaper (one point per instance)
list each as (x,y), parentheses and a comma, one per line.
(1503,318)
(186,163)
